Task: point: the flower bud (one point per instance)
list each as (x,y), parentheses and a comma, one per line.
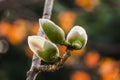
(43,48)
(77,37)
(52,31)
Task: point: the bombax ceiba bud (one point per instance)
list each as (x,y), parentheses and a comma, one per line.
(43,48)
(53,31)
(77,37)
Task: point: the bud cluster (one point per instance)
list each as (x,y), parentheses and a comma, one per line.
(46,49)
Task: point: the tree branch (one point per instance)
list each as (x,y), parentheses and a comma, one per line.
(48,9)
(36,66)
(33,72)
(57,65)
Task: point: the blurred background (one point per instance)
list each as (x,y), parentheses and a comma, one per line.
(99,60)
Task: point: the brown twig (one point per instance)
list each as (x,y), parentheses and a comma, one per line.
(36,66)
(48,9)
(32,73)
(57,65)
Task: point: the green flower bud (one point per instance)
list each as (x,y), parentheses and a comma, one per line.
(43,48)
(52,31)
(77,37)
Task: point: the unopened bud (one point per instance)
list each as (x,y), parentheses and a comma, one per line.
(52,31)
(77,37)
(43,48)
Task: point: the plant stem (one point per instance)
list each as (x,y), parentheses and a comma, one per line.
(48,9)
(33,72)
(57,65)
(36,66)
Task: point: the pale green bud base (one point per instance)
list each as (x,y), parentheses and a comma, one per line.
(72,46)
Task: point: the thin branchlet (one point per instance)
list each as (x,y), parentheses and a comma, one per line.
(36,66)
(57,65)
